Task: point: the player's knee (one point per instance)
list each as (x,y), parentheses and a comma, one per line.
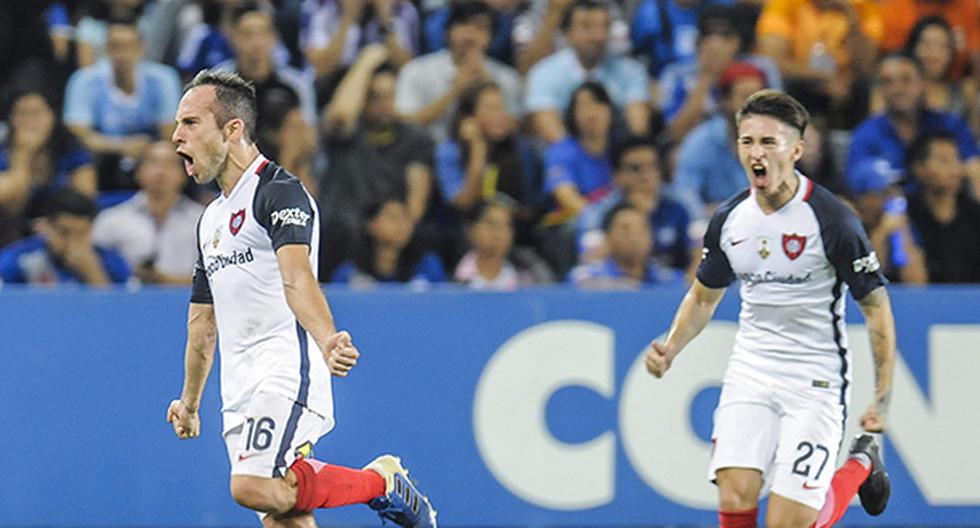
(787,521)
(253,493)
(737,494)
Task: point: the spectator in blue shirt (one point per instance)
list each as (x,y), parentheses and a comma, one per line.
(388,252)
(639,183)
(665,31)
(62,252)
(552,81)
(886,136)
(486,156)
(708,171)
(38,157)
(118,106)
(628,264)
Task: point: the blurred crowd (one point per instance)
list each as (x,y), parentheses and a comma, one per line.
(492,143)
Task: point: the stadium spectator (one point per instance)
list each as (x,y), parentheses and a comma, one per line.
(117,107)
(486,156)
(900,16)
(882,210)
(886,135)
(155,229)
(283,134)
(38,157)
(372,153)
(493,263)
(537,30)
(552,81)
(628,264)
(333,32)
(388,252)
(254,39)
(638,179)
(933,42)
(62,251)
(708,171)
(822,160)
(688,93)
(506,13)
(665,32)
(830,44)
(945,215)
(203,45)
(430,85)
(25,41)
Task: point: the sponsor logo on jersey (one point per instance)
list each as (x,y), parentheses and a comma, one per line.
(752,279)
(216,239)
(292,216)
(764,247)
(793,245)
(868,264)
(236,221)
(218,262)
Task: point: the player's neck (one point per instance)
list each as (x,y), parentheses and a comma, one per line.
(239,159)
(785,192)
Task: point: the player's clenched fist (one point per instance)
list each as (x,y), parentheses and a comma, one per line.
(340,353)
(187,423)
(657,359)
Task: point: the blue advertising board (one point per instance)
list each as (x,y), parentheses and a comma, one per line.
(528,408)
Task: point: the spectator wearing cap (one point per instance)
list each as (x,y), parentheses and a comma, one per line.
(552,81)
(945,216)
(882,210)
(62,252)
(687,89)
(886,135)
(708,170)
(429,86)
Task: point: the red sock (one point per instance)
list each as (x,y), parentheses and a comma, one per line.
(320,485)
(843,487)
(739,519)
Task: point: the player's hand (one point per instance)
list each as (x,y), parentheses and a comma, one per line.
(340,353)
(658,359)
(187,424)
(872,420)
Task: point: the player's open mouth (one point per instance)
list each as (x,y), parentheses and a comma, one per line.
(188,163)
(759,174)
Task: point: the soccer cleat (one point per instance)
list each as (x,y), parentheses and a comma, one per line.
(875,489)
(402,502)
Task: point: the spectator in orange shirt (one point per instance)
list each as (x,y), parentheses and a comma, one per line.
(830,44)
(899,16)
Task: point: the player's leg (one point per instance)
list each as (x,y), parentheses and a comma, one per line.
(787,513)
(863,473)
(290,520)
(738,496)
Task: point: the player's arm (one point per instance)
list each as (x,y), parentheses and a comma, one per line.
(306,300)
(692,316)
(198,358)
(877,309)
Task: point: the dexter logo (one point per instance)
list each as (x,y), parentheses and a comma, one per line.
(293,216)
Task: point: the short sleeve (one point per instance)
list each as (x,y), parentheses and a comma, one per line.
(715,271)
(634,80)
(449,170)
(851,254)
(78,108)
(407,98)
(10,270)
(559,165)
(283,208)
(541,92)
(115,266)
(200,287)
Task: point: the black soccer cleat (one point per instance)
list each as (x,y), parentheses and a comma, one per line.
(875,489)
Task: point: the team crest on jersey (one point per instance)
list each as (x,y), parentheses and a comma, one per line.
(236,221)
(793,245)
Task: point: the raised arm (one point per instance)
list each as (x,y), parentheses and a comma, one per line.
(692,316)
(198,358)
(877,309)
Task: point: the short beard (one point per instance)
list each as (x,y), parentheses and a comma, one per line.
(203,178)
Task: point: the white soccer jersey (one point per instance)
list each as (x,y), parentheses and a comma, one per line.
(794,265)
(262,345)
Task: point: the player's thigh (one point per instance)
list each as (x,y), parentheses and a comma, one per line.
(745,431)
(810,436)
(788,513)
(274,432)
(304,520)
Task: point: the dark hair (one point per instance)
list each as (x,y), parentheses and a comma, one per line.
(250,6)
(61,141)
(484,205)
(385,67)
(581,5)
(905,57)
(921,147)
(598,92)
(234,97)
(464,12)
(776,104)
(920,27)
(716,19)
(408,259)
(69,201)
(630,143)
(610,216)
(467,103)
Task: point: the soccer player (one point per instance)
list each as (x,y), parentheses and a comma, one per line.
(256,293)
(796,250)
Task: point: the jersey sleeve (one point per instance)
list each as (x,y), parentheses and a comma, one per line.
(715,271)
(200,287)
(283,208)
(846,244)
